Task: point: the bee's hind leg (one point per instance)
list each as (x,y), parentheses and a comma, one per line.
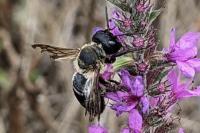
(110,86)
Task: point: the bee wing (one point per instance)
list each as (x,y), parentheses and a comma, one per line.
(94,101)
(57,52)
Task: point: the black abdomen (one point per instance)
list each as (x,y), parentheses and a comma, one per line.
(79,82)
(78,87)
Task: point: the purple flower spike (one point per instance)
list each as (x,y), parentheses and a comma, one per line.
(95,30)
(96,129)
(184,53)
(134,84)
(135,121)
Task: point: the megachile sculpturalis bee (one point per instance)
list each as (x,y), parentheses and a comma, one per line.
(87,61)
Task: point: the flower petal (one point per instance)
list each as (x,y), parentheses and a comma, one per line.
(195,63)
(188,40)
(144,103)
(117,96)
(115,30)
(112,96)
(180,130)
(125,78)
(185,93)
(197,90)
(137,87)
(117,15)
(182,55)
(172,38)
(124,130)
(106,75)
(123,95)
(135,121)
(96,129)
(186,69)
(173,79)
(120,108)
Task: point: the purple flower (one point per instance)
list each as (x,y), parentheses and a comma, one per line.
(106,75)
(144,104)
(125,130)
(126,101)
(123,101)
(133,84)
(133,101)
(115,30)
(96,129)
(113,27)
(184,53)
(135,121)
(181,90)
(180,130)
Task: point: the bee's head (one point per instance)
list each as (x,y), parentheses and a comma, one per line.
(108,41)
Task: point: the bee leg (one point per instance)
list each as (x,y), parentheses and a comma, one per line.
(110,59)
(110,86)
(126,51)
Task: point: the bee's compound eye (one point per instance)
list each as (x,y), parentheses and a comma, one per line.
(78,87)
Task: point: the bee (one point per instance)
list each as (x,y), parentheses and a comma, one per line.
(88,61)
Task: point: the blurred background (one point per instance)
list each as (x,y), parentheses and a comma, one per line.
(36,92)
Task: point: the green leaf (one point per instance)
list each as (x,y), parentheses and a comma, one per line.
(122,62)
(124,6)
(153,15)
(157,71)
(162,75)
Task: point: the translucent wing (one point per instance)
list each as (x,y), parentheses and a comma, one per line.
(57,52)
(94,101)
